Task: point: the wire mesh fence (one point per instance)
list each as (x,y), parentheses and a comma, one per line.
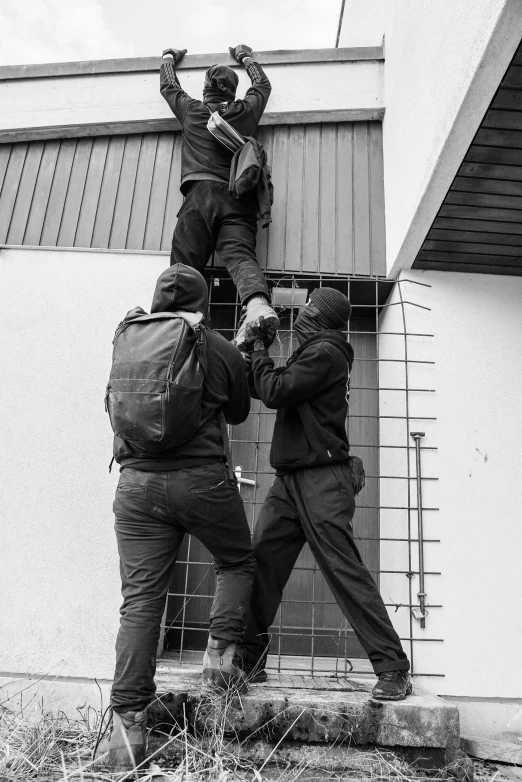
(310,635)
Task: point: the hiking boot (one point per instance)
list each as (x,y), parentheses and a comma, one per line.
(127,732)
(392,686)
(259,321)
(222,666)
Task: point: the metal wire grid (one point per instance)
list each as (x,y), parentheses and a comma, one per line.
(314,649)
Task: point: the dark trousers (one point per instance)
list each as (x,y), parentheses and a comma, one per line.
(316,505)
(210,219)
(153,512)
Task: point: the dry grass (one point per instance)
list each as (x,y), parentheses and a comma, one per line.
(37,745)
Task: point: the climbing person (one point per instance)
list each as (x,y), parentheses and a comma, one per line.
(210,217)
(312,497)
(172,387)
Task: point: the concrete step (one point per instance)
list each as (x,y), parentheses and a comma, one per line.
(312,709)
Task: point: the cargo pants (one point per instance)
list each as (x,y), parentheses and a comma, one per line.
(316,505)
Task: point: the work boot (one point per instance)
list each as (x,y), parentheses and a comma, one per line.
(113,751)
(392,686)
(222,666)
(259,321)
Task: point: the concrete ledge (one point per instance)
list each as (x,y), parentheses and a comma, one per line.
(142,64)
(358,762)
(339,712)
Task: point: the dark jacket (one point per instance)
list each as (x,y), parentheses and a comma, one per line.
(226,386)
(202,156)
(309,394)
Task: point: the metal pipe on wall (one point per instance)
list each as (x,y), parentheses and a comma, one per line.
(421,594)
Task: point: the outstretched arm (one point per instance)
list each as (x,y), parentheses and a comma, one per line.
(261,88)
(302,380)
(170,87)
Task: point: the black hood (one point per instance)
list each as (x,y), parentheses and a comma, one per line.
(220,84)
(180,287)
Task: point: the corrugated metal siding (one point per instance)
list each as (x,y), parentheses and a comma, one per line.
(122,192)
(478,227)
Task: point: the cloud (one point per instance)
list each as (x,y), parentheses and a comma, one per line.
(57,31)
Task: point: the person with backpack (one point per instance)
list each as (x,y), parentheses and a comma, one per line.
(211,218)
(312,497)
(172,387)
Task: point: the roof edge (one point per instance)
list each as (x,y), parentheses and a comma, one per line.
(191,61)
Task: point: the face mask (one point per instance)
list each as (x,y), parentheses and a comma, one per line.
(309,322)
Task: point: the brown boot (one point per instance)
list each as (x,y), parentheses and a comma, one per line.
(127,733)
(221,666)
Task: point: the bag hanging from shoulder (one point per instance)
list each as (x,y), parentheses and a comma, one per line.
(155,389)
(249,162)
(357,474)
(224,132)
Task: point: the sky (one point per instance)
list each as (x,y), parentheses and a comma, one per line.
(63,30)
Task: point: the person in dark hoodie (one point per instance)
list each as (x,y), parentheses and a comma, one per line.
(160,498)
(210,218)
(311,499)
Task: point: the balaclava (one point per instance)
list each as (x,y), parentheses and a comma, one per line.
(220,84)
(330,310)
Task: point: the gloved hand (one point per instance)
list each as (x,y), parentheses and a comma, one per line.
(176,54)
(240,52)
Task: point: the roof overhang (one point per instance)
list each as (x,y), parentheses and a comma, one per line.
(478,227)
(61,100)
(456,140)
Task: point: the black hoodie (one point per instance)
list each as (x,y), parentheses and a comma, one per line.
(182,288)
(309,394)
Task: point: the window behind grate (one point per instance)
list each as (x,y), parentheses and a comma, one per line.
(309,634)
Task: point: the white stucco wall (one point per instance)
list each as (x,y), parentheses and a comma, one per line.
(59,576)
(477,377)
(119,97)
(444,62)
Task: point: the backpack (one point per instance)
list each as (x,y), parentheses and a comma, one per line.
(155,389)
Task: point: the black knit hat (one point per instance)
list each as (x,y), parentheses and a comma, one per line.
(333,304)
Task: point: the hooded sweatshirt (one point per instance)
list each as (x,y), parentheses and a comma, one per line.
(226,389)
(202,156)
(310,396)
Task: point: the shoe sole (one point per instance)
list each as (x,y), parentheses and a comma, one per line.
(266,330)
(119,760)
(401,697)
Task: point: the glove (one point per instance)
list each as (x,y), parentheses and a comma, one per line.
(177,54)
(240,52)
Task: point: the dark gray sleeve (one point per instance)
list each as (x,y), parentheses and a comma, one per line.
(258,94)
(238,406)
(171,90)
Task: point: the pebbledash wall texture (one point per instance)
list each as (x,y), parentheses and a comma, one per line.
(58,309)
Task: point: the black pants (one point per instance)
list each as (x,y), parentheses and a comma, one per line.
(317,505)
(153,511)
(210,219)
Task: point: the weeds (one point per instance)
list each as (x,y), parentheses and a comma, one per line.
(205,747)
